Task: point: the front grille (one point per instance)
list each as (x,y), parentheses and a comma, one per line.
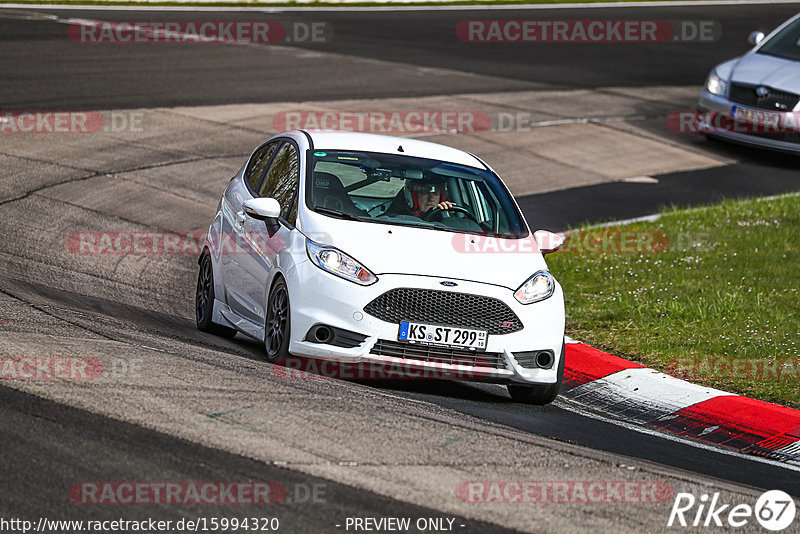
(446,308)
(774,100)
(428,353)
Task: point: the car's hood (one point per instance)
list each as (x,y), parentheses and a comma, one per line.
(760,69)
(385,249)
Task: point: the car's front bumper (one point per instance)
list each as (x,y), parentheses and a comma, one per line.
(320,298)
(784,142)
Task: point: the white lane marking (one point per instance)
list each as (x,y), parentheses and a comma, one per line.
(640,180)
(587,120)
(623,222)
(641,394)
(339,7)
(569,406)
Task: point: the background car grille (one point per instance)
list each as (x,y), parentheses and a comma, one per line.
(445,307)
(427,353)
(774,100)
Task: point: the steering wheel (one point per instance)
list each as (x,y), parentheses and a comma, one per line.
(438,211)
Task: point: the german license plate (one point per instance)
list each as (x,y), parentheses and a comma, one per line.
(445,336)
(756,116)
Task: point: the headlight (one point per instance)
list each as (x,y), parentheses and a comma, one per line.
(538,287)
(716,85)
(337,262)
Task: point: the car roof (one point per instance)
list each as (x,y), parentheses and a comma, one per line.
(334,140)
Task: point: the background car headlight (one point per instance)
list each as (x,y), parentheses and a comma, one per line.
(337,262)
(538,287)
(716,85)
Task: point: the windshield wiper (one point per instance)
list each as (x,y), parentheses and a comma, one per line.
(439,227)
(335,213)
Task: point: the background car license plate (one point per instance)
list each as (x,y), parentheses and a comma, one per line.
(448,336)
(756,116)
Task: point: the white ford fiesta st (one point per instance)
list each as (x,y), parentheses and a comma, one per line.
(368,249)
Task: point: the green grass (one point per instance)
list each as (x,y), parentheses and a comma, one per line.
(719,305)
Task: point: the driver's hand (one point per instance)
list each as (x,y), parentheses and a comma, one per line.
(445,205)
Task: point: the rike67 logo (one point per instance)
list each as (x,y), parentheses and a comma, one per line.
(774,510)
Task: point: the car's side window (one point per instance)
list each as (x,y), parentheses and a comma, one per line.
(259,162)
(282,179)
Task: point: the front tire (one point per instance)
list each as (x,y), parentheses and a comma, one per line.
(539,395)
(204,301)
(278,323)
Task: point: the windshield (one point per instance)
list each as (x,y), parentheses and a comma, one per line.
(408,191)
(785,44)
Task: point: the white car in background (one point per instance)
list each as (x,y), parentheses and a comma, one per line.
(322,247)
(758,89)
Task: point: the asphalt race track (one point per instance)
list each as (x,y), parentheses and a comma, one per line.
(179,405)
(45,70)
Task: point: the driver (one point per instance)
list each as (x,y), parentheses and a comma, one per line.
(419,197)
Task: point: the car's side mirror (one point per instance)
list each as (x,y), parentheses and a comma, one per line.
(547,241)
(264,209)
(755,38)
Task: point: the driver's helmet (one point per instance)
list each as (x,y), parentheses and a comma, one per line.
(427,184)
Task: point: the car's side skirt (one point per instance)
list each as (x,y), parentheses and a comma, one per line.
(224,315)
